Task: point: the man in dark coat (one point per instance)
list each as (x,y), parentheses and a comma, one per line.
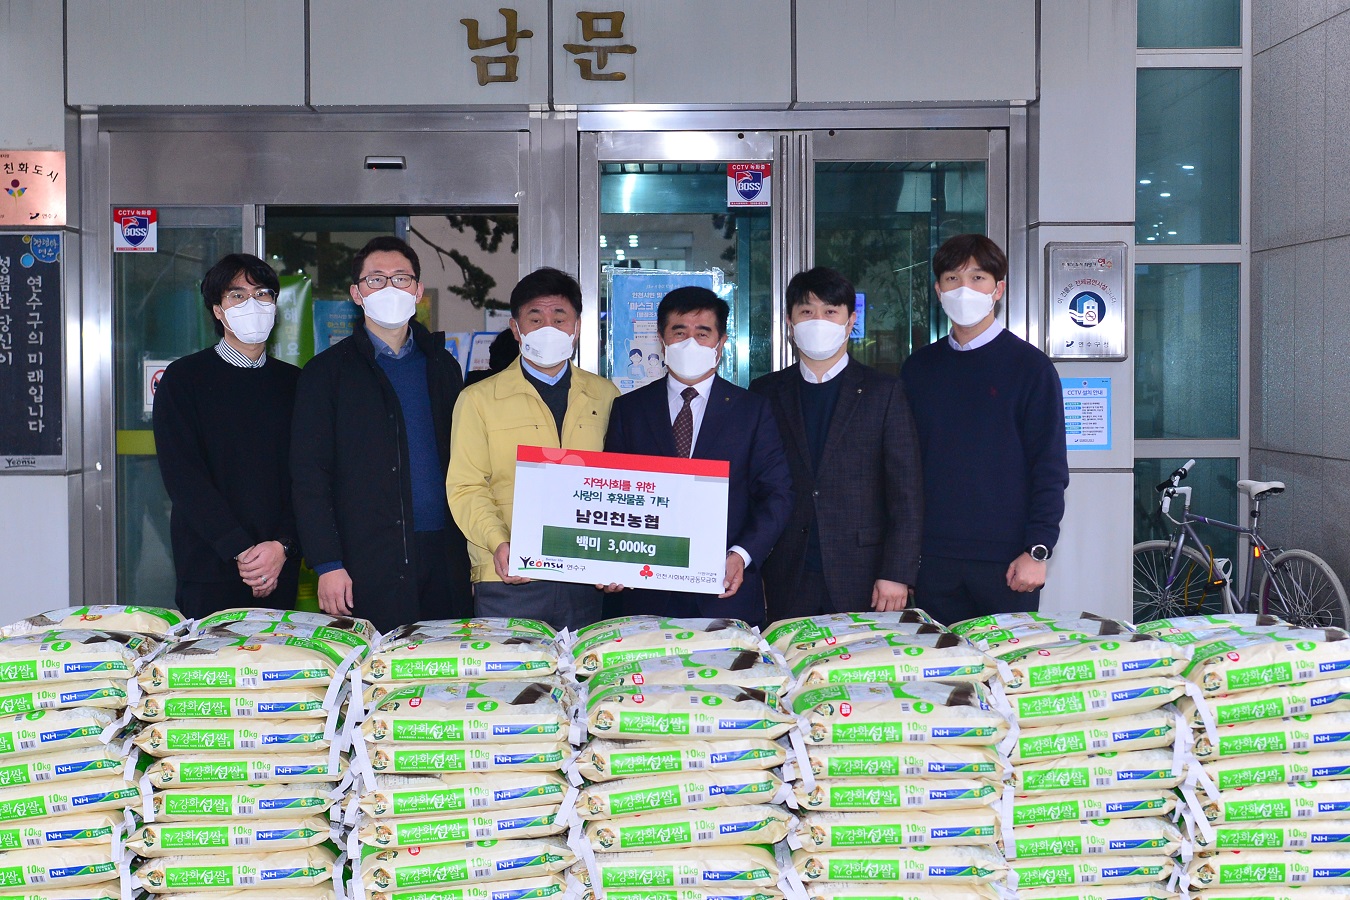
(369,452)
(694,413)
(852,543)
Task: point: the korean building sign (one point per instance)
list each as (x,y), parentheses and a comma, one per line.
(495,45)
(35,188)
(617,518)
(31,433)
(1086,313)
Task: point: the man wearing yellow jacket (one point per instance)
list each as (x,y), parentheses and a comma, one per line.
(540,400)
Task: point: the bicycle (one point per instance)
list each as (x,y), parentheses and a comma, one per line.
(1175,577)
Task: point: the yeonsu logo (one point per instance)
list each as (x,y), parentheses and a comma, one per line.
(749,184)
(529,562)
(135,229)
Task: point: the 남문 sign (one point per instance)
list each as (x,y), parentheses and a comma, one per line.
(617,518)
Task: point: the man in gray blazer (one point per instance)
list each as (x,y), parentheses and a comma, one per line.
(852,542)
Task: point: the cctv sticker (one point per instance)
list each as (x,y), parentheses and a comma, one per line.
(135,230)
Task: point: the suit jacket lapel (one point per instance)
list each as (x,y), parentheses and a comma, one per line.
(715,418)
(850,392)
(658,418)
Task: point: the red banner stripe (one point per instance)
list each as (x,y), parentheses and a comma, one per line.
(670,465)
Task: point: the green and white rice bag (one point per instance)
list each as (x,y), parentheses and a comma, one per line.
(604,760)
(424,759)
(62,766)
(1083,870)
(1081,703)
(1317,697)
(209,838)
(1262,867)
(1104,771)
(100,693)
(339,639)
(786,632)
(652,793)
(500,713)
(192,770)
(293,703)
(1040,809)
(321,892)
(895,657)
(1269,834)
(1296,734)
(78,829)
(844,830)
(895,793)
(472,625)
(423,795)
(264,616)
(1151,891)
(54,730)
(460,827)
(1142,731)
(680,712)
(941,865)
(451,864)
(485,657)
(873,890)
(741,668)
(936,761)
(241,871)
(919,712)
(759,824)
(51,657)
(823,639)
(146,620)
(1205,623)
(1099,837)
(221,804)
(175,736)
(85,795)
(541,887)
(68,868)
(1073,663)
(262,662)
(1303,802)
(1003,642)
(1278,768)
(743,865)
(643,637)
(972,627)
(1294,656)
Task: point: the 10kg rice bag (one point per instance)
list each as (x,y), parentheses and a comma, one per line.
(198,838)
(1142,731)
(889,793)
(1111,700)
(892,657)
(245,663)
(787,632)
(937,761)
(651,793)
(419,795)
(507,712)
(1105,771)
(452,864)
(150,620)
(295,703)
(1138,869)
(758,824)
(1096,661)
(232,736)
(919,712)
(1297,734)
(262,801)
(484,657)
(61,656)
(446,828)
(742,668)
(602,760)
(742,865)
(1041,809)
(290,768)
(683,711)
(361,627)
(1262,867)
(1262,661)
(944,865)
(624,641)
(302,868)
(1099,837)
(837,831)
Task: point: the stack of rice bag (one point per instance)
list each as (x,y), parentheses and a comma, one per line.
(460,745)
(1270,706)
(678,798)
(242,723)
(66,774)
(1097,753)
(897,773)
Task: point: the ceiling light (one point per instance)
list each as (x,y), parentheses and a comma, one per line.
(1145,180)
(604,241)
(1173,233)
(632,240)
(618,253)
(1165,194)
(1150,239)
(1188,168)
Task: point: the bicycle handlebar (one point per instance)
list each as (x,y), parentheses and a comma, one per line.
(1176,477)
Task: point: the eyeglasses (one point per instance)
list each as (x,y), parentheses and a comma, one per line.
(402,282)
(262,295)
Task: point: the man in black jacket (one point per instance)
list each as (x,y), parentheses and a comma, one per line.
(852,542)
(370,448)
(222,436)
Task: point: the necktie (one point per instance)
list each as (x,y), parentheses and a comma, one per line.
(684,424)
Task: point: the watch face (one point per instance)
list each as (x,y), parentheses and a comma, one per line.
(1040,553)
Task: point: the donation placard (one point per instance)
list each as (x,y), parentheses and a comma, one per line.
(617,518)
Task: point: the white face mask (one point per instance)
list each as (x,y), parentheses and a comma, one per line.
(690,360)
(547,346)
(819,338)
(966,306)
(389,307)
(251,321)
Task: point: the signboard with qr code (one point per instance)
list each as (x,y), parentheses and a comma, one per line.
(1086,315)
(618,518)
(32,391)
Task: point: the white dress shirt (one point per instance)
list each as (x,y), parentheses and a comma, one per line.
(978,340)
(810,377)
(698,406)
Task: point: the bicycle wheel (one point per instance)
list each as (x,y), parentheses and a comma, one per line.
(1300,587)
(1190,592)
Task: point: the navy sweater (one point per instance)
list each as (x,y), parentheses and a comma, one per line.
(409,378)
(991,436)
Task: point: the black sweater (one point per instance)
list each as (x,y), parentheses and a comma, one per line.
(223,437)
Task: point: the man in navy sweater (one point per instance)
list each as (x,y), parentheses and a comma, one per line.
(989,412)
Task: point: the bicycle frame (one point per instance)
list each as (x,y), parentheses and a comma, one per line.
(1185,529)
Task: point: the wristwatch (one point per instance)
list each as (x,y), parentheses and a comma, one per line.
(292,551)
(1039,552)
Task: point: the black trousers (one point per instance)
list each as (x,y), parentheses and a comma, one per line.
(953,590)
(811,597)
(443,590)
(198,599)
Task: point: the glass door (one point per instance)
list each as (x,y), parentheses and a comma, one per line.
(656,214)
(883,202)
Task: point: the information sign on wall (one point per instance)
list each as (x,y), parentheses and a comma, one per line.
(1085,302)
(749,184)
(135,230)
(1087,413)
(35,188)
(32,433)
(634,347)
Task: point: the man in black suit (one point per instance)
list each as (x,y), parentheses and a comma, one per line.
(852,542)
(694,413)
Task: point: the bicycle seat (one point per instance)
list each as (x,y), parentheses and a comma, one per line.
(1258,489)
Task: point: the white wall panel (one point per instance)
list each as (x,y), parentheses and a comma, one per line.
(1091,568)
(35,539)
(32,116)
(188,52)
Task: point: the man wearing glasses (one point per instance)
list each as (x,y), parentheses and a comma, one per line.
(222,435)
(370,447)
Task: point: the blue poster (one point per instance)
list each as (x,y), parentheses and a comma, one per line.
(634,354)
(333,321)
(1087,413)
